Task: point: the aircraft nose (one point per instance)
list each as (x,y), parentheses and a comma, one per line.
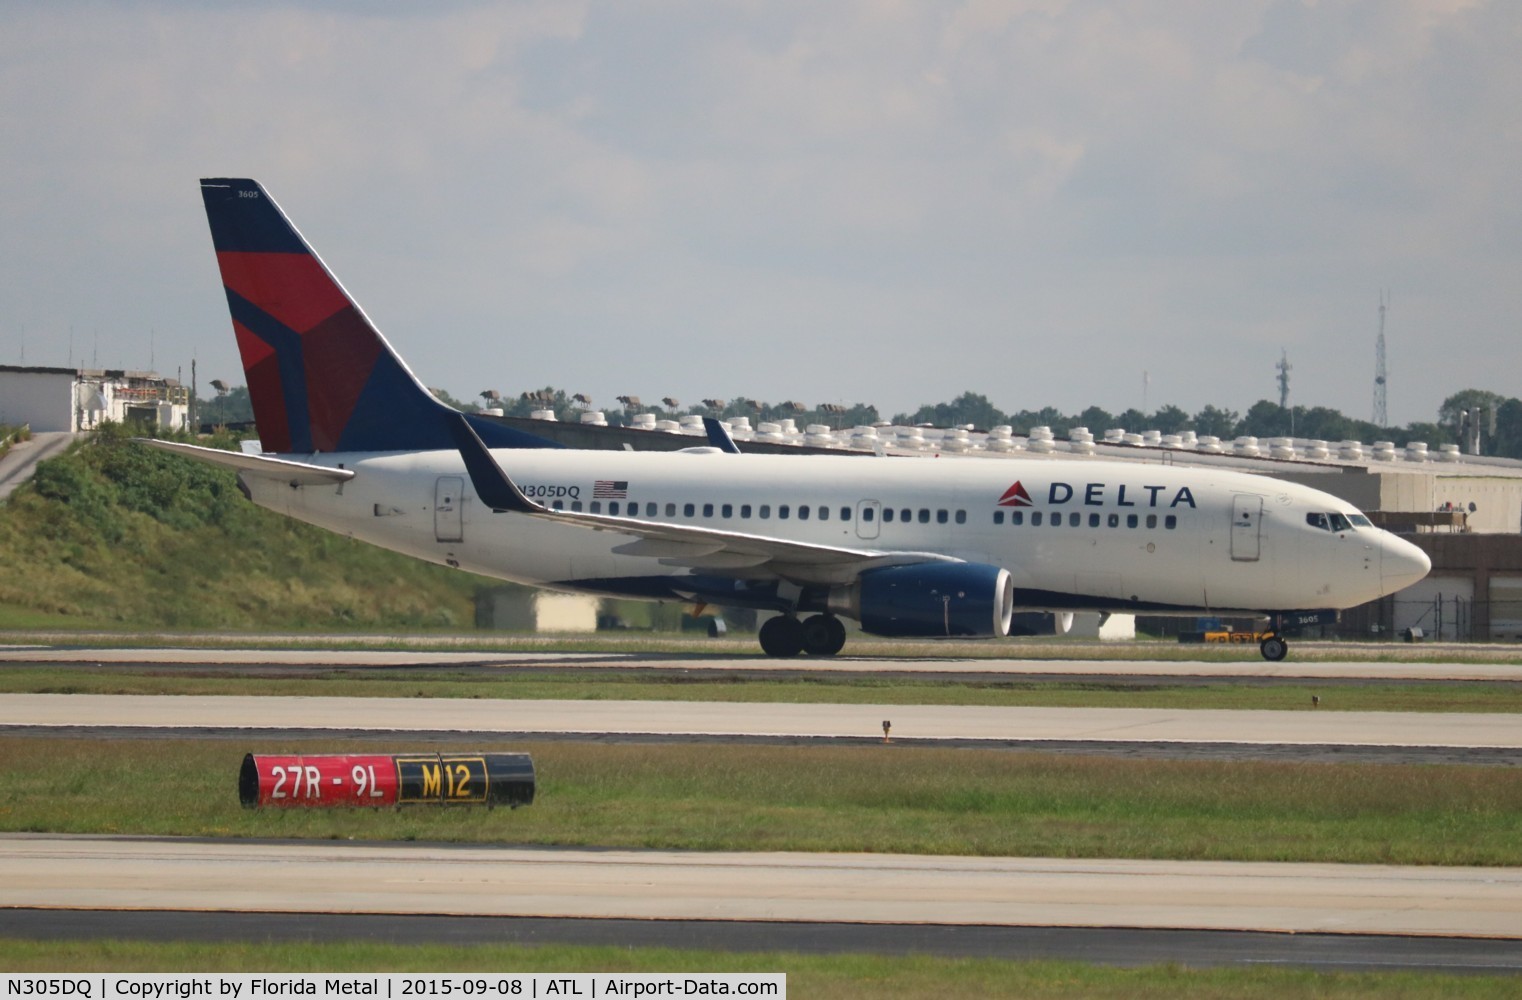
(1401,564)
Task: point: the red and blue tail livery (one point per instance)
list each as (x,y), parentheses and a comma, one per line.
(320,375)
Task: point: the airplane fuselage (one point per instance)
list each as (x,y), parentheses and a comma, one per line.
(1074,534)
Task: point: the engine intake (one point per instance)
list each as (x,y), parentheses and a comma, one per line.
(929,600)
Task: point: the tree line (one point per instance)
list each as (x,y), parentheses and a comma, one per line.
(1264,419)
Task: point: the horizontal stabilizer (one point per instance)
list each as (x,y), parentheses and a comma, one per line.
(281,469)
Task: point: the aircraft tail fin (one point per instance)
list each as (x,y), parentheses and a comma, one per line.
(320,375)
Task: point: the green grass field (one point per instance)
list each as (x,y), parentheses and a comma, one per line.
(883,799)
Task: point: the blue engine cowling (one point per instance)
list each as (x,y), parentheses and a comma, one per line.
(930,600)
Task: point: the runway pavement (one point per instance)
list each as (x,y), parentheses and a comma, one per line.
(1098,945)
(699,718)
(113,873)
(1249,667)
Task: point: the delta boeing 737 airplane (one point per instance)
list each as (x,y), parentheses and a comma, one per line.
(356,444)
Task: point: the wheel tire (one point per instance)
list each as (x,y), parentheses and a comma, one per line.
(781,637)
(823,635)
(1273,649)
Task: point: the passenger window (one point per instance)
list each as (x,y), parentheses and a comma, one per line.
(1036,518)
(1114,520)
(765,511)
(597,506)
(1057,520)
(1318,520)
(998,517)
(728,510)
(824,513)
(613,507)
(866,513)
(803,512)
(558,505)
(745,510)
(961,517)
(845,513)
(1075,519)
(942,516)
(1151,520)
(1170,522)
(783,511)
(1340,523)
(887,515)
(576,506)
(708,510)
(924,515)
(1131,520)
(650,510)
(688,510)
(1017,517)
(1093,520)
(671,510)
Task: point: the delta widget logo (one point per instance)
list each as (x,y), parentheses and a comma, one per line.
(1015,496)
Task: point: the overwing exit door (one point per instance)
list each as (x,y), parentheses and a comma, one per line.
(867,512)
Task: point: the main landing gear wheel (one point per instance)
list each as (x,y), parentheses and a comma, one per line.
(1273,648)
(823,635)
(781,636)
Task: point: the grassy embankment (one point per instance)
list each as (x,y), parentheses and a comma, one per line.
(114,534)
(881,799)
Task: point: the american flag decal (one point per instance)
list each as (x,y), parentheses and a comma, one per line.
(610,489)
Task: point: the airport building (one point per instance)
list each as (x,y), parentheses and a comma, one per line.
(77,399)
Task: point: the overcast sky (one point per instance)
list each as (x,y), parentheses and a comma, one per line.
(880,202)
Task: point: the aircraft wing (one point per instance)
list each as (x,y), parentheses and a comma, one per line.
(280,469)
(707,549)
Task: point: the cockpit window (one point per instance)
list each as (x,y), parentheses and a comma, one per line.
(1335,521)
(1360,521)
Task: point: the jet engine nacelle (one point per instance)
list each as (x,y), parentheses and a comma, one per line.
(930,600)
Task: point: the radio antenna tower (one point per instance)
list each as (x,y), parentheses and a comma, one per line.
(1284,366)
(1381,417)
